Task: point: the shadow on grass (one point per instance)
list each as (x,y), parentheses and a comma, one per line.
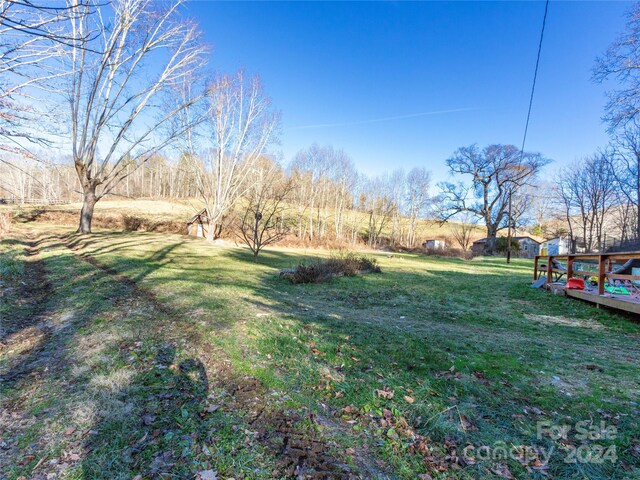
(146,425)
(487,306)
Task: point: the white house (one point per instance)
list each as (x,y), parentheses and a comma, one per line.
(556,246)
(434,244)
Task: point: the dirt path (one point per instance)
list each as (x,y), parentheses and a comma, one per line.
(25,335)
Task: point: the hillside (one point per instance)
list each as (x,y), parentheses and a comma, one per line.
(171,216)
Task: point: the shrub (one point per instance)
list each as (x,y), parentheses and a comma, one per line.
(132,223)
(347,265)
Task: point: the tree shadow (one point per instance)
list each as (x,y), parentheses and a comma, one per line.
(162,417)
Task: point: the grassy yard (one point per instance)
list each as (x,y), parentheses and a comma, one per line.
(146,355)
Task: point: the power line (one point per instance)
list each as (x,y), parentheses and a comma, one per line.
(526,125)
(535,76)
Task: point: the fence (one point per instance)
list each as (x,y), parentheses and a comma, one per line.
(31,201)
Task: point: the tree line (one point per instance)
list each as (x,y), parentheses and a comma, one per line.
(122,90)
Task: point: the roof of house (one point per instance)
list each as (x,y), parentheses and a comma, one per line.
(484,240)
(197,215)
(526,236)
(564,237)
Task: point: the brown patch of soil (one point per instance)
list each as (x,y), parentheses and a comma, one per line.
(301,451)
(26,335)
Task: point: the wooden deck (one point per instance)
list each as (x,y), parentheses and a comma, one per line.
(561,267)
(612,301)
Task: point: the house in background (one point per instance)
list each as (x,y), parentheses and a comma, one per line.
(434,244)
(556,246)
(529,247)
(477,247)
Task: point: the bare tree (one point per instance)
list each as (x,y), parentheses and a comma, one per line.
(587,194)
(462,231)
(521,207)
(117,102)
(241,125)
(343,176)
(311,164)
(624,159)
(261,221)
(32,36)
(495,172)
(622,63)
(418,183)
(542,206)
(378,203)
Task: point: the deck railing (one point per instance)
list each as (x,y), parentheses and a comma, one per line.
(605,264)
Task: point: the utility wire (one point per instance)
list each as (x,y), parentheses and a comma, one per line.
(526,126)
(535,77)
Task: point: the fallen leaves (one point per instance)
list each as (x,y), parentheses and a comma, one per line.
(466,423)
(533,411)
(350,409)
(207,475)
(385,393)
(502,471)
(148,419)
(210,409)
(409,399)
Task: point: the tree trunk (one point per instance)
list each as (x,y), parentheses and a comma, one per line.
(211,231)
(490,246)
(88,204)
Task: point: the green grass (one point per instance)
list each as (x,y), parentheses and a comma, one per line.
(480,357)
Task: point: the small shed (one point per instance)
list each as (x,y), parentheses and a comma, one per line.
(556,246)
(197,226)
(434,244)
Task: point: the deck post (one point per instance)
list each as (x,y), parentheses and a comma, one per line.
(535,268)
(601,273)
(569,267)
(549,269)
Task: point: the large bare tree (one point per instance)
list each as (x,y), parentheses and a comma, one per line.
(125,62)
(494,173)
(33,35)
(240,126)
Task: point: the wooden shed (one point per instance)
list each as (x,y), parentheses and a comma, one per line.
(197,226)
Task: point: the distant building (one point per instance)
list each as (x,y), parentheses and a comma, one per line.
(198,224)
(556,246)
(528,247)
(434,244)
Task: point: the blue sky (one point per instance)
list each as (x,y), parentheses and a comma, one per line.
(400,84)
